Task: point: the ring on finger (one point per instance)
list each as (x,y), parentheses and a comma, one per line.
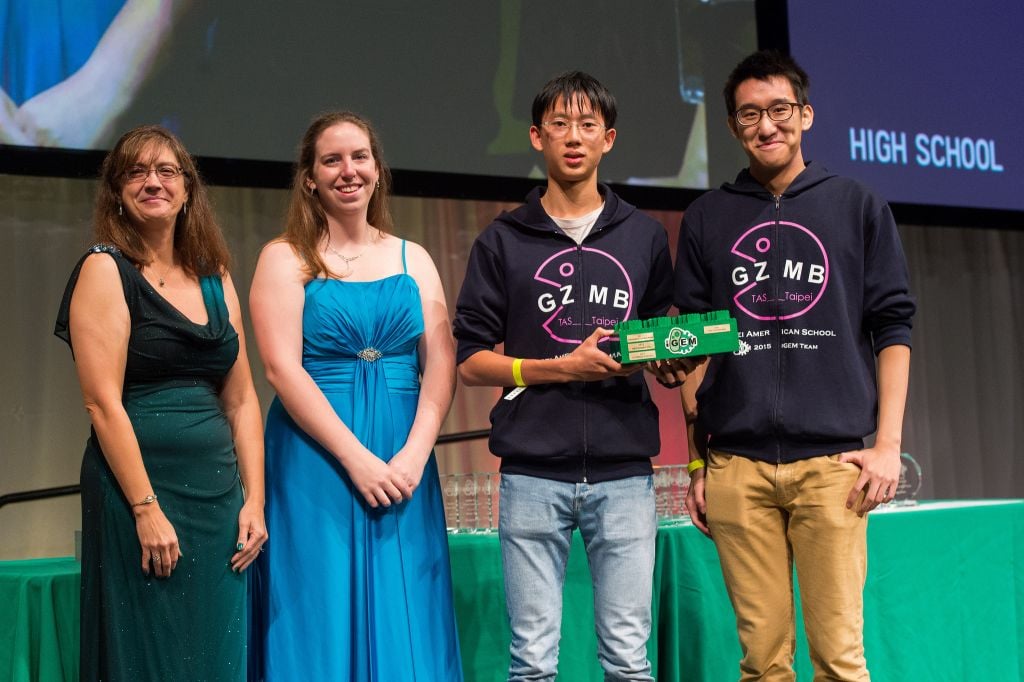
(156,558)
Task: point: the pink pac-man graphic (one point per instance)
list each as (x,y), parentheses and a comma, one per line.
(606,300)
(802,272)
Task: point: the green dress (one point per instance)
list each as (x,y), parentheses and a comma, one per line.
(190,626)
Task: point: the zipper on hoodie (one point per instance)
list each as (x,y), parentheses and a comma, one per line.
(778,327)
(583,307)
(583,316)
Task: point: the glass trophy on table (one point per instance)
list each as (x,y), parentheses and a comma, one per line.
(910,481)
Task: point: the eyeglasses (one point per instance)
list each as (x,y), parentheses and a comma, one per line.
(163,173)
(751,116)
(559,128)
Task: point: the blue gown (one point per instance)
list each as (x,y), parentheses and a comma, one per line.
(344,591)
(43,42)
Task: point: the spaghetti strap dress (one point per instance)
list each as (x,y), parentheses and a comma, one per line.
(345,591)
(190,626)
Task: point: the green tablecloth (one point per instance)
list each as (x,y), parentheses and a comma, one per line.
(39,620)
(944,600)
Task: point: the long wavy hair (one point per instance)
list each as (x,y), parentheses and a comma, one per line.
(198,241)
(306,221)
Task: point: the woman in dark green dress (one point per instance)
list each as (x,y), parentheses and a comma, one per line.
(172,477)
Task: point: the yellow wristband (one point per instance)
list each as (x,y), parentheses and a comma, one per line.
(694,465)
(517,372)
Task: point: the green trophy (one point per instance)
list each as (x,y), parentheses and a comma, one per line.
(667,338)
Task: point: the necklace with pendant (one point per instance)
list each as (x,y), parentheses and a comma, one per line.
(347,259)
(161,278)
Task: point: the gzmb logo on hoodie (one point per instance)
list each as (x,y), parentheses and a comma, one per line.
(801,283)
(572,314)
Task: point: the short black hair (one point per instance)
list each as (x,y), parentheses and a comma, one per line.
(575,88)
(762,66)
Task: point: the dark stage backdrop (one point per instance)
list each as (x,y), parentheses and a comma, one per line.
(964,420)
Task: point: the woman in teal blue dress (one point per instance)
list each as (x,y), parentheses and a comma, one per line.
(172,476)
(353,329)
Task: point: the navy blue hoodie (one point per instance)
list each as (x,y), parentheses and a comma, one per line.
(531,287)
(817,282)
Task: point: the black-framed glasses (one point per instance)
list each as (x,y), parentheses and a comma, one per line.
(140,173)
(560,127)
(778,112)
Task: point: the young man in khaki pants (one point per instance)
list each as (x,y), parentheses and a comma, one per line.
(811,266)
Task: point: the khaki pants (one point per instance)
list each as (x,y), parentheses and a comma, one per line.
(763,517)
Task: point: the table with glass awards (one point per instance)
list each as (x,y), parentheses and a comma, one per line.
(933,606)
(471,500)
(944,599)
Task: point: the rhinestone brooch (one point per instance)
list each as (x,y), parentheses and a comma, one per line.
(370,354)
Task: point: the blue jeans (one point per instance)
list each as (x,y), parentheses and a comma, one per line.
(618,524)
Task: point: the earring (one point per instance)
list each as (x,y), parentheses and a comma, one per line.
(184,208)
(378,184)
(120,210)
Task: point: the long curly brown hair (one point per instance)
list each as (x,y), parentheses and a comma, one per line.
(198,241)
(306,222)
